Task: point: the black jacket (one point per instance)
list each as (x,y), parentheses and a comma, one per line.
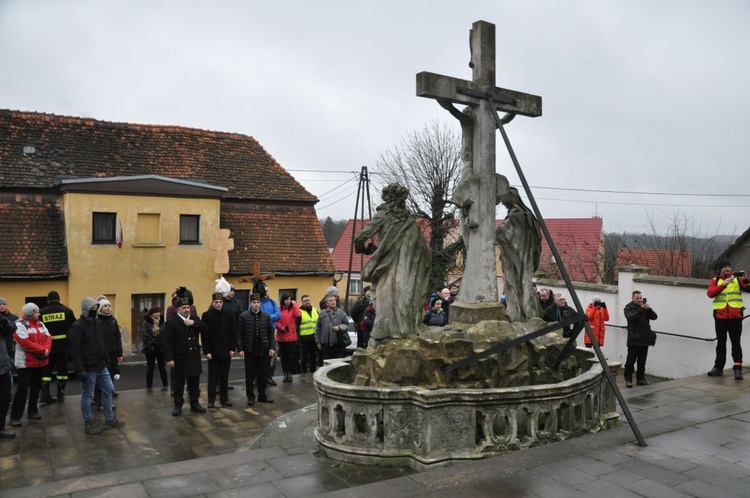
(58,319)
(152,343)
(557,314)
(247,326)
(219,338)
(182,345)
(112,334)
(231,306)
(639,324)
(86,346)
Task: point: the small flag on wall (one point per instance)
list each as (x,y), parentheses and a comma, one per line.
(118,239)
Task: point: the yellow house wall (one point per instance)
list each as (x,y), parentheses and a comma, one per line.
(16,293)
(137,268)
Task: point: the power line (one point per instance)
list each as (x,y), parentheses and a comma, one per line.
(631,192)
(345,196)
(336,188)
(722,206)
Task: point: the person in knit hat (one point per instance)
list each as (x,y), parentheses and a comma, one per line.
(726,291)
(88,351)
(153,346)
(110,330)
(32,355)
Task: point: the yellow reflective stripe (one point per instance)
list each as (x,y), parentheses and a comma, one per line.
(53,317)
(63,336)
(46,379)
(731,296)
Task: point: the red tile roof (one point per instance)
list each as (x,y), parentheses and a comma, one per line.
(283,239)
(661,262)
(577,240)
(342,249)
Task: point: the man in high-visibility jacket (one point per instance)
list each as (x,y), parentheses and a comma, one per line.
(308,348)
(725,290)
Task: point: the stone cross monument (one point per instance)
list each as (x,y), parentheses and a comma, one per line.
(480,188)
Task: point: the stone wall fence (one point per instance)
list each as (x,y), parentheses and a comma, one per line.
(682,306)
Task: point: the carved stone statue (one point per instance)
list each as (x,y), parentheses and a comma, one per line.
(398,269)
(520,241)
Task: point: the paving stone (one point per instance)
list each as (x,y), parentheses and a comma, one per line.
(700,489)
(653,489)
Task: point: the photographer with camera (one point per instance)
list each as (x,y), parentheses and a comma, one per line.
(639,314)
(598,314)
(725,290)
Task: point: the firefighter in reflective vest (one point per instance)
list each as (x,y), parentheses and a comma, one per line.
(57,318)
(725,289)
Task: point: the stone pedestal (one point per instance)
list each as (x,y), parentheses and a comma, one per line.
(472,313)
(419,428)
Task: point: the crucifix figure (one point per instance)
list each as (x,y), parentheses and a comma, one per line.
(480,188)
(222,244)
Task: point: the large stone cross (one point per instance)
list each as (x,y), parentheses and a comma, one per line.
(479,188)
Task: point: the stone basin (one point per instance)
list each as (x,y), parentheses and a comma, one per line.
(419,428)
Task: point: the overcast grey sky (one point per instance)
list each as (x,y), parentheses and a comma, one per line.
(639,96)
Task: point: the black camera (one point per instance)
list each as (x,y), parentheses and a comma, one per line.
(739,274)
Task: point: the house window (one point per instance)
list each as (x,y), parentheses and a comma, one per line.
(190,229)
(103,228)
(291,292)
(355,287)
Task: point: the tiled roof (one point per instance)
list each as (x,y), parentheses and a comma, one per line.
(281,238)
(32,237)
(661,262)
(88,147)
(270,215)
(578,242)
(342,249)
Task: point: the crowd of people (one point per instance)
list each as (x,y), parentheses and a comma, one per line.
(38,346)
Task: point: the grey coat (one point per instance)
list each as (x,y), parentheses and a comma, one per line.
(327,319)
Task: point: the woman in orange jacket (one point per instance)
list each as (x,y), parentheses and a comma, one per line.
(598,314)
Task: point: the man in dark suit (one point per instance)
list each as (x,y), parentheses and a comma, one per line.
(182,352)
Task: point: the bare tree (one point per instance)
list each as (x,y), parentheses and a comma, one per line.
(428,163)
(678,247)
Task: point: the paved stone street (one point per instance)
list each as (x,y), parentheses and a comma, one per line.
(697,430)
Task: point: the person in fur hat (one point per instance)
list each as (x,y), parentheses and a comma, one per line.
(182,352)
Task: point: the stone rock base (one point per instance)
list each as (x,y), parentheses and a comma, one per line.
(420,360)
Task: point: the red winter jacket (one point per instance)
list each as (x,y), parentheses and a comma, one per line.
(32,338)
(597,316)
(287,321)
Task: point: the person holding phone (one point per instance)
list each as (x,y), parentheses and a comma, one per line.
(639,314)
(725,290)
